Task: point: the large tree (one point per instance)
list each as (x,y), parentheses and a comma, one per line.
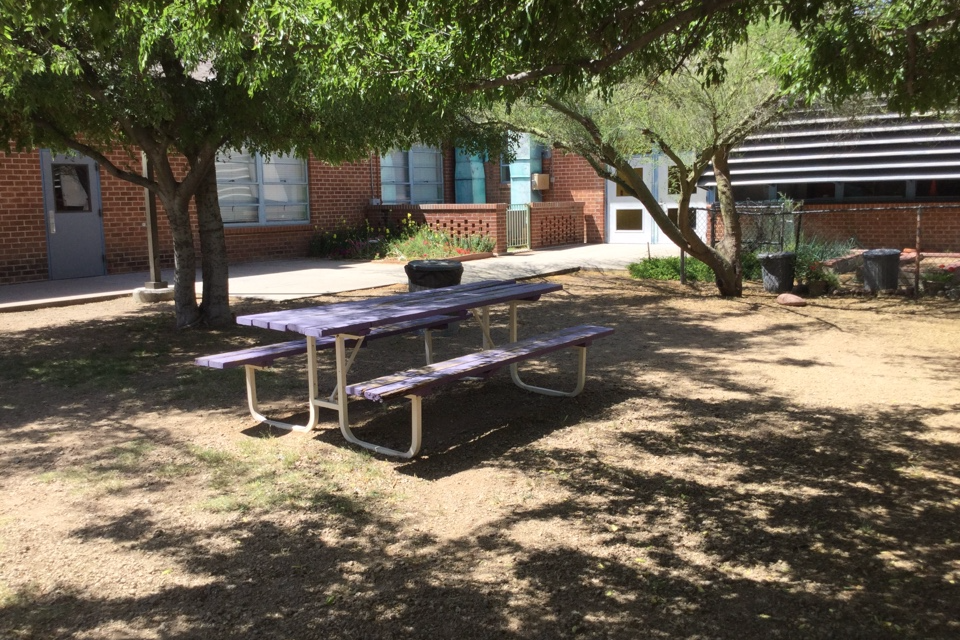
(182,81)
(692,116)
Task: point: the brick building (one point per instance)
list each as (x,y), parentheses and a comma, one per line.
(868,179)
(66,217)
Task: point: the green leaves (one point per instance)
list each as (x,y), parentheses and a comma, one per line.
(900,50)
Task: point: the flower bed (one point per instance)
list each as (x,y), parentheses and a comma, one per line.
(406,241)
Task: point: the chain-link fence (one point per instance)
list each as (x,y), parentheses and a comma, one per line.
(764,226)
(933,227)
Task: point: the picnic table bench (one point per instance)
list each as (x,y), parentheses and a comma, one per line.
(416,383)
(254,358)
(350,324)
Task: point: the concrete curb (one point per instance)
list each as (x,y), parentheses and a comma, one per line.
(15,307)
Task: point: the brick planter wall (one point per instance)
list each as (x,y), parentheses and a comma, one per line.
(456,219)
(556,223)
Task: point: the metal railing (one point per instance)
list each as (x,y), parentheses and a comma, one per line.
(518,227)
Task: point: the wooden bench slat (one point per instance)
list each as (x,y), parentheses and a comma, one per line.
(259,356)
(280,319)
(423,380)
(266,354)
(449,302)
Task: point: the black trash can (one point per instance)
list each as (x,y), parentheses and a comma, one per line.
(881,269)
(778,270)
(433,274)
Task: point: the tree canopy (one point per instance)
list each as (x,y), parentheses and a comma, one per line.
(903,51)
(182,80)
(688,115)
(339,78)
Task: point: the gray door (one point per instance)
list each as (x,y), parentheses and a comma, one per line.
(71,200)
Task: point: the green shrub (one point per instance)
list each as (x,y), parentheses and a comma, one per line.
(406,241)
(812,252)
(427,243)
(361,242)
(751,266)
(669,269)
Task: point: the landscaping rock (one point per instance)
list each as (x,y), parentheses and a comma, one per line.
(790,300)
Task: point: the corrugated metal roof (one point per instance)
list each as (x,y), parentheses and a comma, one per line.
(877,147)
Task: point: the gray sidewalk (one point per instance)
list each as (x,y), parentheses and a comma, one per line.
(291,279)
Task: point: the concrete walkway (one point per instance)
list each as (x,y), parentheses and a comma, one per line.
(303,278)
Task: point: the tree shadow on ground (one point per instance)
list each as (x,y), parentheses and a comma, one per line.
(752,517)
(831,538)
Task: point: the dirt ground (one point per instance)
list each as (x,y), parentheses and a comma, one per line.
(733,469)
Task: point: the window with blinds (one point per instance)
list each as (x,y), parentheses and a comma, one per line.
(412,176)
(258,189)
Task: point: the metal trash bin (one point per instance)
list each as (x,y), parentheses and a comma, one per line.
(778,269)
(433,274)
(881,269)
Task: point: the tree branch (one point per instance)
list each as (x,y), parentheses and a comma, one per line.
(94,153)
(940,21)
(596,66)
(752,121)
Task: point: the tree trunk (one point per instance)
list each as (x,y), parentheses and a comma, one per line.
(185,261)
(215,307)
(729,282)
(730,273)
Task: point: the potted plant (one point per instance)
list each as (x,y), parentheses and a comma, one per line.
(936,280)
(820,280)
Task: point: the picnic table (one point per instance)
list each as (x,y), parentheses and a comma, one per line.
(345,327)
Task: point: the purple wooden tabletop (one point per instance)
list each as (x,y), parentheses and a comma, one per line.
(266,320)
(358,317)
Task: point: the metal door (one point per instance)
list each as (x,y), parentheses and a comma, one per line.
(71,201)
(628,222)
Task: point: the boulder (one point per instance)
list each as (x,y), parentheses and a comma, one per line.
(790,300)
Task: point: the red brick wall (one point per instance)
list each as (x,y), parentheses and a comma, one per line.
(338,195)
(449,175)
(895,228)
(23,239)
(125,219)
(574,180)
(497,192)
(457,219)
(556,223)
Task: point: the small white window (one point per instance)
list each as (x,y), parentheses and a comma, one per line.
(414,176)
(258,189)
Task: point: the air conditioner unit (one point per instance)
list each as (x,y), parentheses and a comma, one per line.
(540,181)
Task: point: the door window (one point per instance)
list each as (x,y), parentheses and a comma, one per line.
(71,187)
(629,219)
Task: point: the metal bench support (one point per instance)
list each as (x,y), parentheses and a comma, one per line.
(515,368)
(416,383)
